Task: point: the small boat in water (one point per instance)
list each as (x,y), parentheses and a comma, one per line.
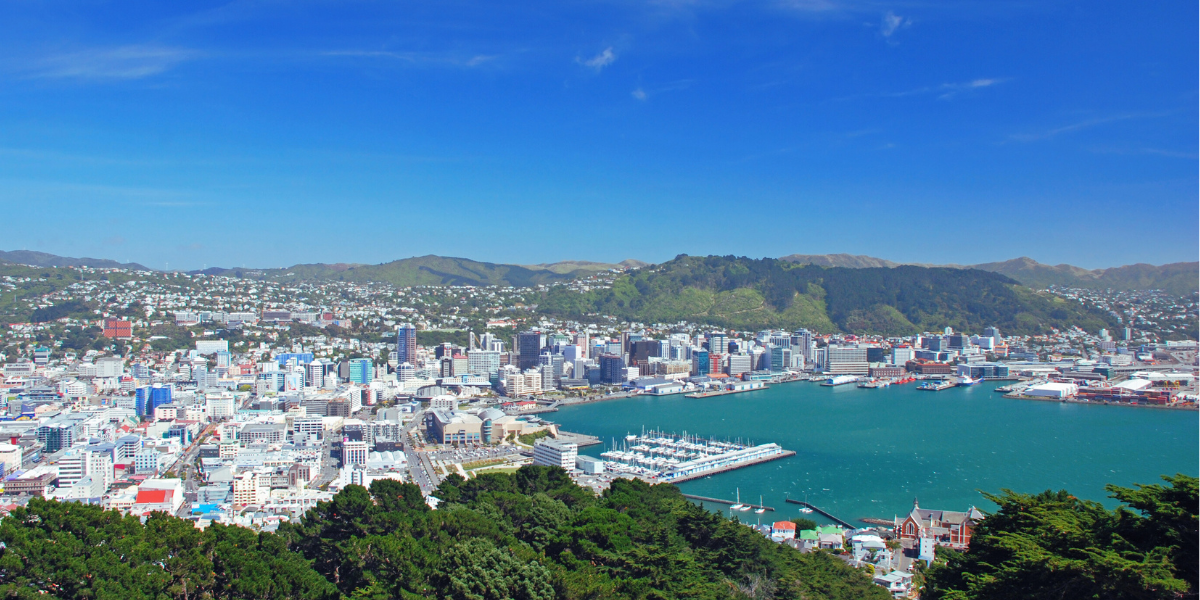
(738,505)
(760,510)
(805,509)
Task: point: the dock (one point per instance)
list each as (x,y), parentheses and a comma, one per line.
(725,502)
(929,386)
(715,393)
(579,439)
(846,524)
(783,454)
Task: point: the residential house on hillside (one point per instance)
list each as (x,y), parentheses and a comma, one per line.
(947,528)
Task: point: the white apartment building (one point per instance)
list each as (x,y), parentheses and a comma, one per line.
(10,457)
(220,406)
(77,464)
(251,487)
(354,453)
(553,453)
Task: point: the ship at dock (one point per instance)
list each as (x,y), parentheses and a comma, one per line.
(840,380)
(667,457)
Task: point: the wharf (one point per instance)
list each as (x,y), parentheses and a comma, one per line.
(702,474)
(579,439)
(881,522)
(725,502)
(723,392)
(824,514)
(945,385)
(1192,407)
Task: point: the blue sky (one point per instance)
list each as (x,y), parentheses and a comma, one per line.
(272,133)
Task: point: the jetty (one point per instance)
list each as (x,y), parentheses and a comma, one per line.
(825,514)
(932,386)
(725,502)
(731,388)
(579,439)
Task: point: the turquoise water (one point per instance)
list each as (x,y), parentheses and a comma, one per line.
(869,453)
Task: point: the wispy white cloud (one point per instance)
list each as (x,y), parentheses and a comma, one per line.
(643,94)
(115,63)
(892,22)
(599,61)
(947,91)
(813,6)
(950,90)
(1146,151)
(416,58)
(1080,126)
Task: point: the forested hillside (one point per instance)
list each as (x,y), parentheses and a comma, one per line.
(528,536)
(749,294)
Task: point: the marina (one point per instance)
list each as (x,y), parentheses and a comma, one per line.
(670,458)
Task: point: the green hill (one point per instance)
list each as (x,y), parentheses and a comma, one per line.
(745,293)
(42,259)
(421,270)
(1180,279)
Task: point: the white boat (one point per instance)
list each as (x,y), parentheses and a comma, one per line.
(760,510)
(964,381)
(805,509)
(739,505)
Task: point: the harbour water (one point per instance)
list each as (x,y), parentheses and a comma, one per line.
(869,452)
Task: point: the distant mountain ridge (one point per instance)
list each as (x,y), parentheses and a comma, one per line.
(1180,279)
(570,266)
(422,270)
(34,258)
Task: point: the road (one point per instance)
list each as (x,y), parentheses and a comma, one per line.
(186,469)
(419,467)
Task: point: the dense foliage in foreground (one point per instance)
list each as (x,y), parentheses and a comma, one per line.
(1054,545)
(527,536)
(536,535)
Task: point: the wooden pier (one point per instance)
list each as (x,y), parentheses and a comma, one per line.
(725,502)
(824,514)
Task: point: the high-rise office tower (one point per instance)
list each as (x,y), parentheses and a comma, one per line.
(406,344)
(529,346)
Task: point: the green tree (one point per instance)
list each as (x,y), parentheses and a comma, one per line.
(1054,545)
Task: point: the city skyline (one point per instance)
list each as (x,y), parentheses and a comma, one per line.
(266,136)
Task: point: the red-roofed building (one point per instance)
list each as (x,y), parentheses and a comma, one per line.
(158,495)
(783,529)
(117,328)
(153,496)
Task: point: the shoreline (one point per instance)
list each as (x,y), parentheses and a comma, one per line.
(1102,403)
(591,400)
